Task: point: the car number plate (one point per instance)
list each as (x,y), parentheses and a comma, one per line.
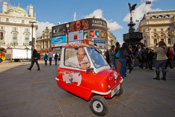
(114,91)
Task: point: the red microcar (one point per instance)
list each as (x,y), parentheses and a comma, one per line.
(84,72)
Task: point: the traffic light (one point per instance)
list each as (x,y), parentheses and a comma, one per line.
(30,42)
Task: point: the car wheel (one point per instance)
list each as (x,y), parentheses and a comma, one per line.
(0,60)
(120,92)
(99,105)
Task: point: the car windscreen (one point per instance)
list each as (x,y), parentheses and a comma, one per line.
(97,59)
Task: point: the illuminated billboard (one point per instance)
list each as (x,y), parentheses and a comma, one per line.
(86,29)
(75,36)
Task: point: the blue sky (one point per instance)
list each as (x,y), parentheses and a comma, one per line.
(115,12)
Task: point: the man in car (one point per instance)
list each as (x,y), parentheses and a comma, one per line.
(80,61)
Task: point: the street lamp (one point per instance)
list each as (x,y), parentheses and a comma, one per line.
(32,22)
(67,26)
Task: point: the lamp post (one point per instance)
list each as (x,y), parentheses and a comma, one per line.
(67,26)
(32,22)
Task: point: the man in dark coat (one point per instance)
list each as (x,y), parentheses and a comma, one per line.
(34,59)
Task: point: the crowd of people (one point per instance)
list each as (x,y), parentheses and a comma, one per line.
(126,57)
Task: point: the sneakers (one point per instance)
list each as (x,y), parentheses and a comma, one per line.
(28,68)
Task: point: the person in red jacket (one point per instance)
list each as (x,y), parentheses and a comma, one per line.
(170,57)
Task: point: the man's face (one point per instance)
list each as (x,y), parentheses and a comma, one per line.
(80,54)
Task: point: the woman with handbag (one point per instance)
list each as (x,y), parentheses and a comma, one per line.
(124,53)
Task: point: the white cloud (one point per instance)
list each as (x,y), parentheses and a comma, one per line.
(140,10)
(42,26)
(112,25)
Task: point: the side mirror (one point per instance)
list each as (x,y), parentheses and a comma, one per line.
(89,69)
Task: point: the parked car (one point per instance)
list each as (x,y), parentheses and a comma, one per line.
(95,83)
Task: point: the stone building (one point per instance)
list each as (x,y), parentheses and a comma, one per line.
(15,27)
(43,43)
(111,39)
(157,26)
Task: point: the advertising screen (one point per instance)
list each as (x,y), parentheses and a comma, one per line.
(75,36)
(61,39)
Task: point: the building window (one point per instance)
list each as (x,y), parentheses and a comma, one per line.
(1,27)
(167,16)
(1,35)
(7,19)
(160,16)
(145,42)
(155,41)
(22,21)
(14,38)
(26,30)
(155,35)
(169,41)
(26,39)
(14,29)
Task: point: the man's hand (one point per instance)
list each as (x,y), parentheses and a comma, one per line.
(84,66)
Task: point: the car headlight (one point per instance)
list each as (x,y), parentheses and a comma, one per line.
(115,75)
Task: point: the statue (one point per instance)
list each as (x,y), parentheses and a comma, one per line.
(131,8)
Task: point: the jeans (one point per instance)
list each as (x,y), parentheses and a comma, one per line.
(162,64)
(113,63)
(50,61)
(45,62)
(123,67)
(55,62)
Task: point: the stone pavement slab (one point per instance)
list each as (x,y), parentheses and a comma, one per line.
(35,93)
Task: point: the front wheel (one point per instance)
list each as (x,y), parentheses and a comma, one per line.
(120,92)
(99,105)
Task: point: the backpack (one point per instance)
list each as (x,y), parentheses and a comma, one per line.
(38,55)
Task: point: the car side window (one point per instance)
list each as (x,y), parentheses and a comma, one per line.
(76,57)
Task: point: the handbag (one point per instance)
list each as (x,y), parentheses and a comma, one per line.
(118,54)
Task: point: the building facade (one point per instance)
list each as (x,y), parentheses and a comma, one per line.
(43,43)
(15,27)
(111,39)
(157,26)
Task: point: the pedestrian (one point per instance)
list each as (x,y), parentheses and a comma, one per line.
(113,62)
(124,53)
(56,58)
(117,58)
(45,58)
(107,56)
(130,61)
(50,55)
(150,58)
(170,57)
(35,57)
(161,59)
(140,58)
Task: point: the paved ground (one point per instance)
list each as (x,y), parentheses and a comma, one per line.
(35,93)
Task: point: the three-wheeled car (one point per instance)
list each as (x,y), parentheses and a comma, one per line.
(84,72)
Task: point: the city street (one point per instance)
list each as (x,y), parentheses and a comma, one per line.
(25,93)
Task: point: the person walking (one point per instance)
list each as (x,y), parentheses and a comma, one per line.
(45,58)
(117,58)
(56,58)
(124,53)
(50,55)
(34,59)
(150,58)
(170,57)
(130,61)
(107,56)
(113,62)
(161,59)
